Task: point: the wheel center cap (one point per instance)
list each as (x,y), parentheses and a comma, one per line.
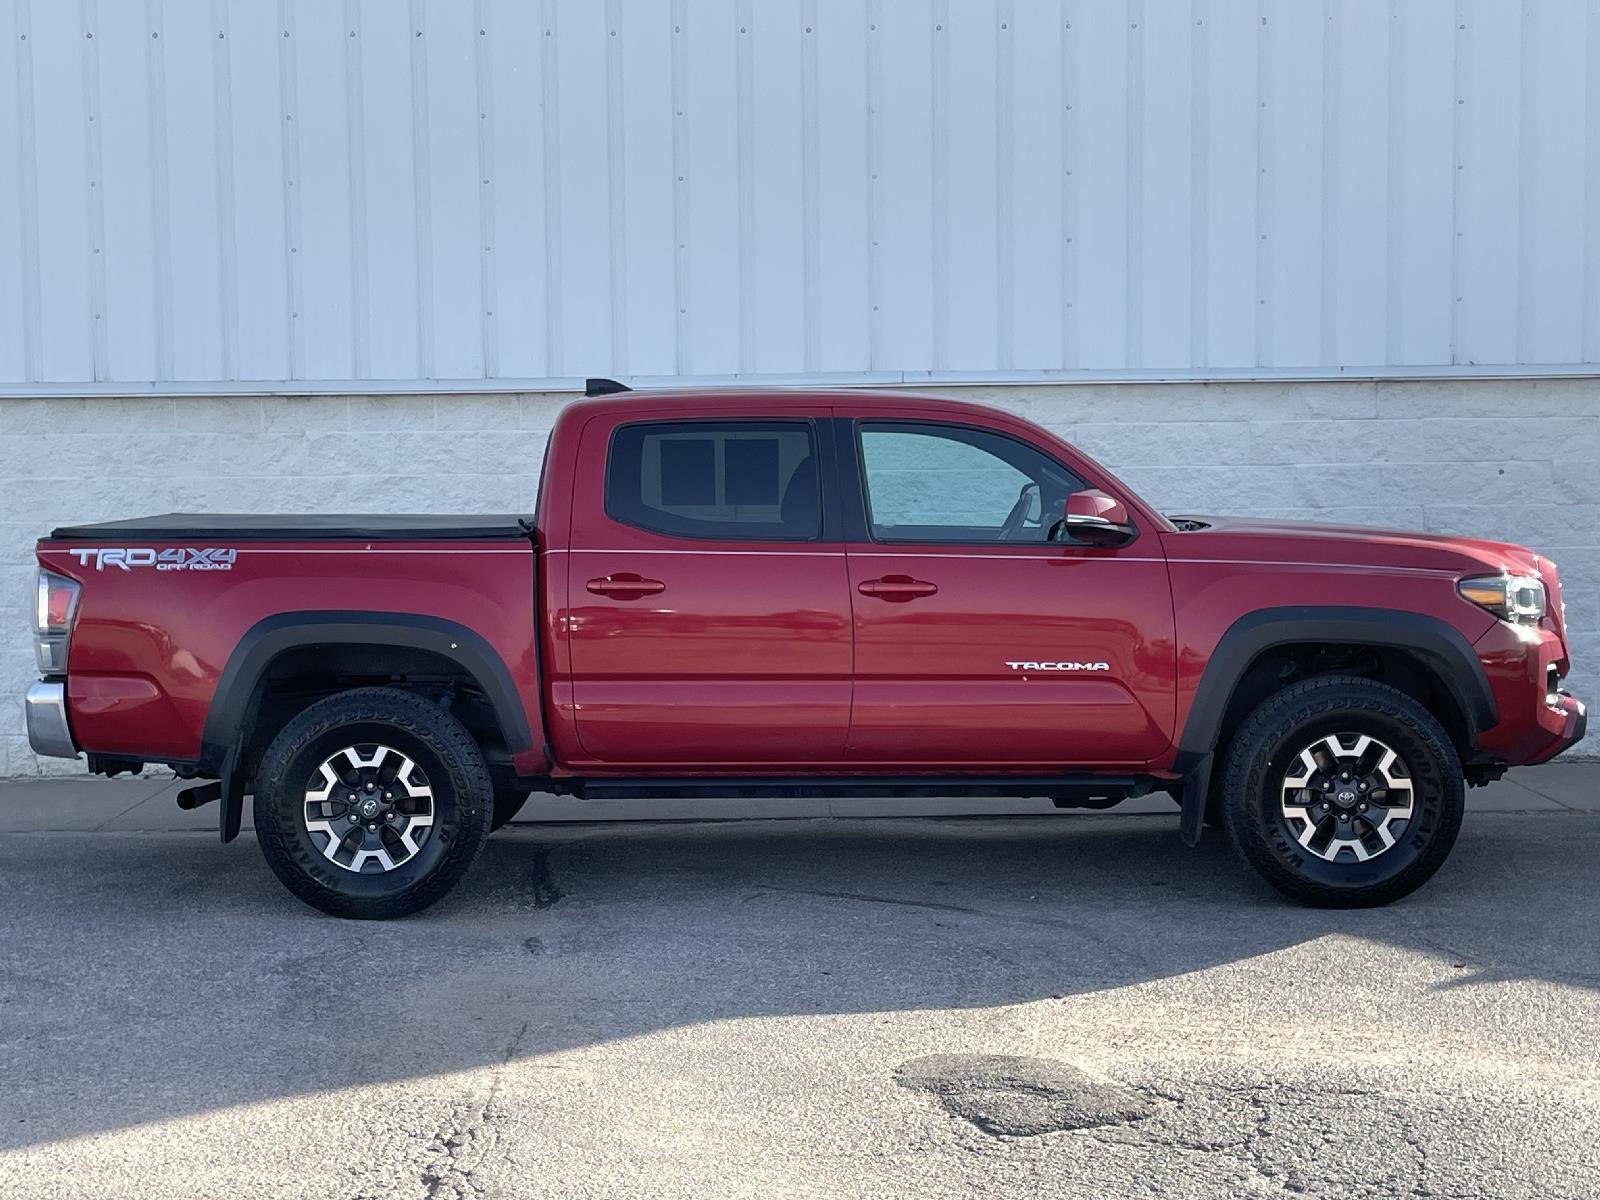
(369,807)
(1345,798)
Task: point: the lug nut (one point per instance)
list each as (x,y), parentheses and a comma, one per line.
(1344,816)
(372,787)
(1342,775)
(372,828)
(1363,808)
(1362,786)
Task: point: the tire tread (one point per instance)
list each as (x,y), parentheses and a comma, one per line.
(1273,720)
(426,722)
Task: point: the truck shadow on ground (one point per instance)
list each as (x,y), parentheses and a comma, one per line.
(148,977)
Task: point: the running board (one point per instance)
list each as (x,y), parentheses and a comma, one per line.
(1065,791)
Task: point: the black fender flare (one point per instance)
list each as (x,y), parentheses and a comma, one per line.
(268,638)
(1435,641)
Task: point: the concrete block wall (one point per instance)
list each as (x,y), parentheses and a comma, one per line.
(1511,459)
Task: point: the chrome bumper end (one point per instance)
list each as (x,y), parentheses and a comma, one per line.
(48,731)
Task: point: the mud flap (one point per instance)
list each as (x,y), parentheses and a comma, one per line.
(231,811)
(1196,785)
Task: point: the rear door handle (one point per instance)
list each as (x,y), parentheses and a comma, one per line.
(625,585)
(896,588)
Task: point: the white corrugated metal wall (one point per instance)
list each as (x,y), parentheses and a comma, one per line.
(346,191)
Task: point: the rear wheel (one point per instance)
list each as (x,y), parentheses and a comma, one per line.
(1343,792)
(372,803)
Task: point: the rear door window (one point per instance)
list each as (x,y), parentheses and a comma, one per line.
(730,480)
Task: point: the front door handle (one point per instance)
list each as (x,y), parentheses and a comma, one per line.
(625,585)
(896,588)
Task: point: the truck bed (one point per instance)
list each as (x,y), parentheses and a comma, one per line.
(273,527)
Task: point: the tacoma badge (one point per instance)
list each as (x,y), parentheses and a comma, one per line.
(1059,666)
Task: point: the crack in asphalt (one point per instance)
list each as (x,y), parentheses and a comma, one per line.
(865,898)
(1284,1157)
(545,891)
(468,1140)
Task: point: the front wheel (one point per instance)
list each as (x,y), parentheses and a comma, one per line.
(372,803)
(1343,792)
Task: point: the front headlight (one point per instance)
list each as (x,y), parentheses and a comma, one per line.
(1515,598)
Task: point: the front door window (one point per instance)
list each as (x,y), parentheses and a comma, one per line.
(951,484)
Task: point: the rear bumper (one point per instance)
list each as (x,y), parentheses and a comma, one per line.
(48,731)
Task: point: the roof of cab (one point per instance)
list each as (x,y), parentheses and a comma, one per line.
(857,400)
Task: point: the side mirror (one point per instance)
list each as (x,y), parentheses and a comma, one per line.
(1095,518)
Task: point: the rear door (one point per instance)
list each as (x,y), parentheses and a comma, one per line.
(708,613)
(978,641)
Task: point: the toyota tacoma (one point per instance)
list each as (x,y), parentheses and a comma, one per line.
(784,593)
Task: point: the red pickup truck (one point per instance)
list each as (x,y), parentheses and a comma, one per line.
(784,593)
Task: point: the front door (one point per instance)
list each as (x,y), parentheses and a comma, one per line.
(708,616)
(978,641)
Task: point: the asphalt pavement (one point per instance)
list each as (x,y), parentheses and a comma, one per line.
(949,1006)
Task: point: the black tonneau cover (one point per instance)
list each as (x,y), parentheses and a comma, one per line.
(270,527)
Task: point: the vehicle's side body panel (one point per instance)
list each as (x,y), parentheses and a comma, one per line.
(1036,657)
(1027,655)
(739,658)
(150,646)
(765,657)
(1220,578)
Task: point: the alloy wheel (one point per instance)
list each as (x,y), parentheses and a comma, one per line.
(369,808)
(1347,794)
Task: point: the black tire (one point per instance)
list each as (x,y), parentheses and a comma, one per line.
(1269,743)
(507,804)
(462,802)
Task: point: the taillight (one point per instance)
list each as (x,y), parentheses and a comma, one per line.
(57,604)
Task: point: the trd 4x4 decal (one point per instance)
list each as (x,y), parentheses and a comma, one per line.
(186,558)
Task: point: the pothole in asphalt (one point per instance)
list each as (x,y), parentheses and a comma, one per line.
(1011,1096)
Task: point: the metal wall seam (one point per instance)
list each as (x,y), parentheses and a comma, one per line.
(875,206)
(291,172)
(939,187)
(550,148)
(744,102)
(421,187)
(1458,138)
(683,342)
(1395,191)
(617,188)
(160,205)
(1328,310)
(28,196)
(810,187)
(483,77)
(96,198)
(1005,188)
(1070,355)
(1590,344)
(1527,166)
(1200,187)
(1098,377)
(1133,354)
(356,146)
(227,222)
(1264,115)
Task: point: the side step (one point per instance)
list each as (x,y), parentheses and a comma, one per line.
(1065,791)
